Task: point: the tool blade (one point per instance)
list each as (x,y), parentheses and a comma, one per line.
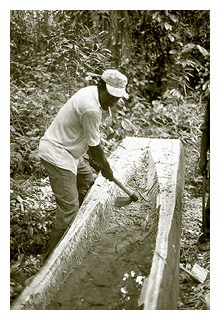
(122,201)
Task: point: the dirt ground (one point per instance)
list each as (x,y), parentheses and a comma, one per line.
(192,295)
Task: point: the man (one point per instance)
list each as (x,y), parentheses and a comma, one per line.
(204,165)
(73,132)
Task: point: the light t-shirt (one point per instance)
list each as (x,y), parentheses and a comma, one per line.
(74,129)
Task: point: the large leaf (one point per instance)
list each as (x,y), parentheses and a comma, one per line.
(127,125)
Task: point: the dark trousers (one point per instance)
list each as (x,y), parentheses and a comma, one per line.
(68,190)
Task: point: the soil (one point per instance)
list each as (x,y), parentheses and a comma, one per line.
(192,295)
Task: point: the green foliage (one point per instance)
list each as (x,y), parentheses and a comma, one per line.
(166,52)
(62,50)
(26,114)
(31,219)
(191,69)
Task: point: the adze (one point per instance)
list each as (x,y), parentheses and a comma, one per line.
(124,201)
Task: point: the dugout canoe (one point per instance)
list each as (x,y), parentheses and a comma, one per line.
(163,179)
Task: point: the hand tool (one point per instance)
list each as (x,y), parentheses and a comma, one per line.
(124,201)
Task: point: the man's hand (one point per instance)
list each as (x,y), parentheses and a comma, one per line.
(96,153)
(108,174)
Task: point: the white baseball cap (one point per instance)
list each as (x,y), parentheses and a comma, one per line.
(115,83)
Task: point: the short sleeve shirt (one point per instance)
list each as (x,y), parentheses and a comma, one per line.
(74,129)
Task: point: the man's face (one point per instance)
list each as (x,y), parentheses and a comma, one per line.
(107,100)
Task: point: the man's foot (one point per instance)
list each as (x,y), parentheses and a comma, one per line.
(204,237)
(204,241)
(205,246)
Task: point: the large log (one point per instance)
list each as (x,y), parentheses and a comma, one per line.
(164,161)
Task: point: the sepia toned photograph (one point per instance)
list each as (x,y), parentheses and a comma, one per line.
(110,160)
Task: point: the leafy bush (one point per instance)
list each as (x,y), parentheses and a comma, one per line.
(31,219)
(166,53)
(27,111)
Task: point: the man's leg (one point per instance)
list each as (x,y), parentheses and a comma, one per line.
(64,185)
(205,237)
(208,201)
(85,179)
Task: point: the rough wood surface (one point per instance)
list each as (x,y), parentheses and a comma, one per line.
(165,163)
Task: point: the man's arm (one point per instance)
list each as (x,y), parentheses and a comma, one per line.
(97,154)
(90,122)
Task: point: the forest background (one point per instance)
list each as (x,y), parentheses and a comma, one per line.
(164,53)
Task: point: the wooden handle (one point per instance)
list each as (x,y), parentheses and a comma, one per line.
(120,185)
